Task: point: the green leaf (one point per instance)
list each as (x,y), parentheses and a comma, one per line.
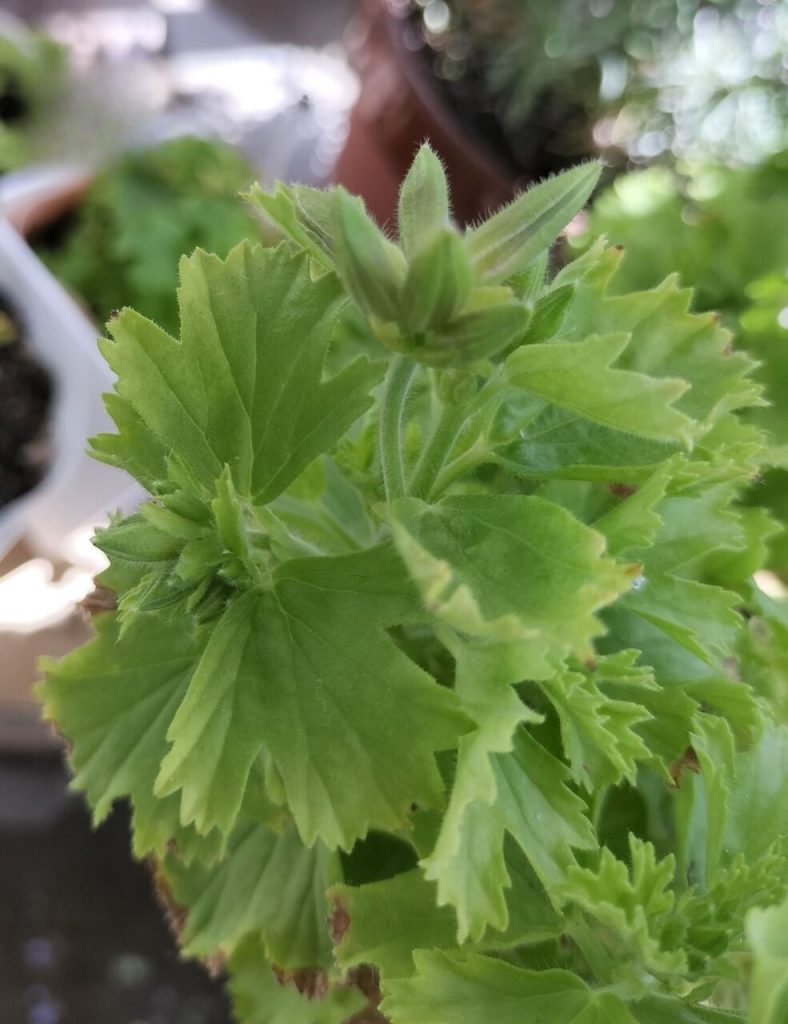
(385,921)
(702,800)
(259,997)
(534,805)
(254,333)
(555,442)
(700,617)
(481,683)
(767,931)
(114,699)
(758,805)
(667,339)
(579,376)
(597,732)
(134,448)
(283,209)
(511,569)
(634,907)
(267,884)
(633,523)
(423,200)
(508,241)
(472,989)
(660,1009)
(353,740)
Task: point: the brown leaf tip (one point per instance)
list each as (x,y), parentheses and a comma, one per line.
(338,921)
(311,982)
(100,599)
(688,762)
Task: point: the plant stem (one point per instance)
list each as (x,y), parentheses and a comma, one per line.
(594,952)
(439,444)
(395,392)
(464,463)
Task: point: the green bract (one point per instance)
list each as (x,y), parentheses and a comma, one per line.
(432,676)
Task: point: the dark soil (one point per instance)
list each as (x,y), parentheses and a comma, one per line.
(25,399)
(82,939)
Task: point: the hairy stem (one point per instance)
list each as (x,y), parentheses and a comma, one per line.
(594,952)
(395,393)
(437,449)
(464,463)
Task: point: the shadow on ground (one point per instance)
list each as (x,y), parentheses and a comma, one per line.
(82,939)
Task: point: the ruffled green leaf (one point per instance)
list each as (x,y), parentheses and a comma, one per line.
(260,997)
(534,805)
(267,885)
(242,387)
(539,597)
(354,743)
(114,700)
(634,907)
(579,376)
(461,989)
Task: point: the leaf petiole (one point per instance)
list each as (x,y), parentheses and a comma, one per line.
(395,392)
(445,429)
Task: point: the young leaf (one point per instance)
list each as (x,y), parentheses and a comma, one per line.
(634,906)
(597,733)
(282,208)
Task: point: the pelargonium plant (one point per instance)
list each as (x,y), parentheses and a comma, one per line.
(432,681)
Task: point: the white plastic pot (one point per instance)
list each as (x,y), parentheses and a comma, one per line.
(77,492)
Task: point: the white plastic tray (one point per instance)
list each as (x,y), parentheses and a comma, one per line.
(77,492)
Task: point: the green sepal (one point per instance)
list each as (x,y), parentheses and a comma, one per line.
(371,267)
(507,242)
(423,201)
(438,282)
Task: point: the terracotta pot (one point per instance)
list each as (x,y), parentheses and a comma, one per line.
(398,108)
